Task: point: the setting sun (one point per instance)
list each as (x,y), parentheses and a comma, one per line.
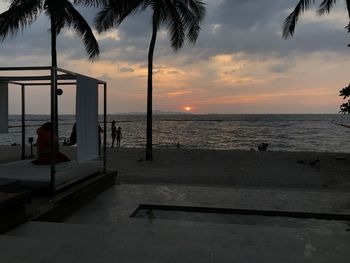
(188,108)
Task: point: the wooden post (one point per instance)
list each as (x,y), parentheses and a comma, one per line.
(53,128)
(23,122)
(105,127)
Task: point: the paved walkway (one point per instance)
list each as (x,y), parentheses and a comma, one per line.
(122,200)
(168,241)
(103,231)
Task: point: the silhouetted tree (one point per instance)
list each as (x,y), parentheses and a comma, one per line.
(324,7)
(22,13)
(181,17)
(345,107)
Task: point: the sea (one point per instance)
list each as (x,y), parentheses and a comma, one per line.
(283,132)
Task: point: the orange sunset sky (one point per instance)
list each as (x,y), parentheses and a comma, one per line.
(240,63)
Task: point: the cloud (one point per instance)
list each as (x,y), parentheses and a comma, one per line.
(126,69)
(240,56)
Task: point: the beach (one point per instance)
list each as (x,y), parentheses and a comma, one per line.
(273,205)
(233,168)
(219,168)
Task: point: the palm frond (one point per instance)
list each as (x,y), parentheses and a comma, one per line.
(82,28)
(348,27)
(348,7)
(181,17)
(326,6)
(174,21)
(197,7)
(291,21)
(193,12)
(91,3)
(57,12)
(114,13)
(105,19)
(19,16)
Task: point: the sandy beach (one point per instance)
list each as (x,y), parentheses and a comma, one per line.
(234,168)
(298,170)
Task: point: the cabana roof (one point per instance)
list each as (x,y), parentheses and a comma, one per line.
(64,77)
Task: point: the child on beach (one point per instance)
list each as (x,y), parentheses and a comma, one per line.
(119,136)
(100,131)
(114,132)
(73,137)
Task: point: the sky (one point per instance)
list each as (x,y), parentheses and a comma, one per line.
(239,65)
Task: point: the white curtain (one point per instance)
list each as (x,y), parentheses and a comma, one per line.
(87,119)
(4,108)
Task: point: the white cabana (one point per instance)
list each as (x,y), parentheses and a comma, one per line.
(88,160)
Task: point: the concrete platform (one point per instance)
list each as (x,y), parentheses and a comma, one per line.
(37,177)
(174,242)
(103,231)
(120,201)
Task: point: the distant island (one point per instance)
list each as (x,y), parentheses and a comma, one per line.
(155,112)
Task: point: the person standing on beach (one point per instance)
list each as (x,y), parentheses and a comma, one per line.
(73,136)
(119,136)
(100,131)
(114,132)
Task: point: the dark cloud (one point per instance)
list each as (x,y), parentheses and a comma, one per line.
(280,68)
(252,27)
(125,69)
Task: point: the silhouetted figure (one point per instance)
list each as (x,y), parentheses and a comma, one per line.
(73,136)
(119,136)
(43,144)
(262,147)
(114,132)
(100,131)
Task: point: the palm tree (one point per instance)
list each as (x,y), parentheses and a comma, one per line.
(325,7)
(22,13)
(181,17)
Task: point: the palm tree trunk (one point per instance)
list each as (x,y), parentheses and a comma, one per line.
(53,102)
(149,155)
(54,65)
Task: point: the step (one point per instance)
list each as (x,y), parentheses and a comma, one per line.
(12,209)
(68,201)
(9,185)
